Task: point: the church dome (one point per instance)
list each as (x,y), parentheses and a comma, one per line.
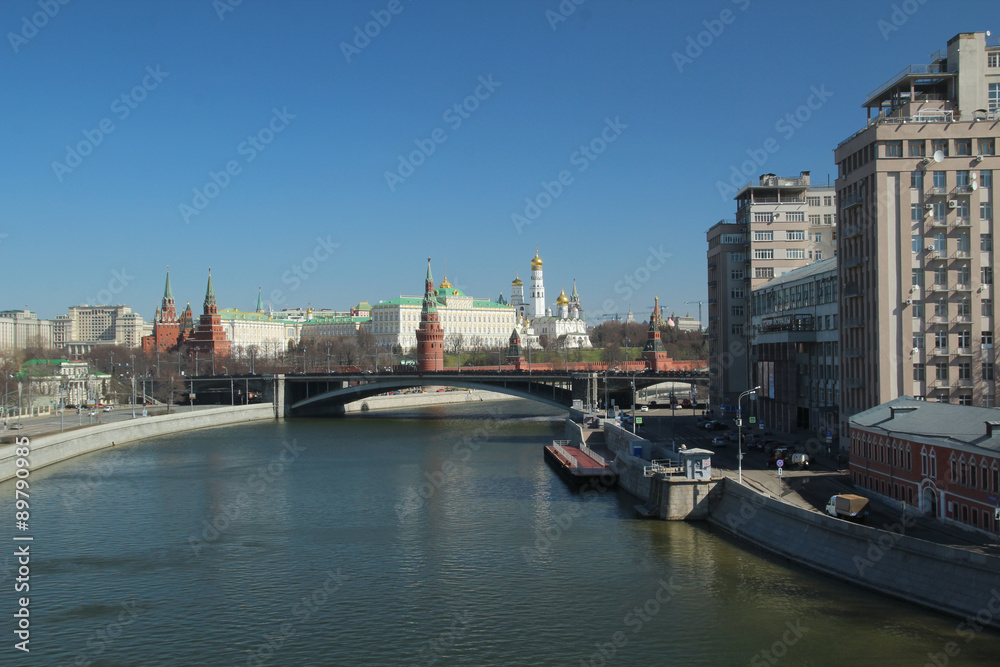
(517,281)
(563,300)
(536,262)
(444,283)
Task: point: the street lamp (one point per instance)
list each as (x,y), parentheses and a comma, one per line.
(739,429)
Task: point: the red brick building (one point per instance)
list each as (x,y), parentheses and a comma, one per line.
(209,338)
(166,327)
(430,335)
(942,459)
(654,353)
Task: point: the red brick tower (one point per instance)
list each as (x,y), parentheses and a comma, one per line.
(515,353)
(430,335)
(208,336)
(187,325)
(654,352)
(166,327)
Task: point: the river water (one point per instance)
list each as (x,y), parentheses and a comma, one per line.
(436,536)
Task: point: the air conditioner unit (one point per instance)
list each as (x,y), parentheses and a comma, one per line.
(929,207)
(909,302)
(952,203)
(930,248)
(979,158)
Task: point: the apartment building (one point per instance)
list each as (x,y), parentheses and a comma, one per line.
(781,224)
(20,329)
(87,326)
(916,260)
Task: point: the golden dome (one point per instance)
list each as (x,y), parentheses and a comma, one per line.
(563,300)
(517,280)
(444,283)
(537,261)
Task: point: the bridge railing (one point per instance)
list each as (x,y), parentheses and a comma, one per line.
(665,467)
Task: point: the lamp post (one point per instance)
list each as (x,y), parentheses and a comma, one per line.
(328,358)
(739,429)
(133,385)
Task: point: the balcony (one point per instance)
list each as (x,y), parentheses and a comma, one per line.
(939,352)
(936,222)
(851,262)
(936,288)
(964,189)
(848,201)
(964,351)
(965,383)
(962,222)
(941,384)
(963,287)
(961,254)
(938,190)
(850,231)
(853,352)
(963,319)
(853,322)
(938,319)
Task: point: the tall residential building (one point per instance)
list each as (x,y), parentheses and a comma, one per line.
(915,205)
(781,224)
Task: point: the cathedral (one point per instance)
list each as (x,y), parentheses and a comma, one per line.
(535,320)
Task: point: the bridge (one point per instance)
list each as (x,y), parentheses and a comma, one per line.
(325,394)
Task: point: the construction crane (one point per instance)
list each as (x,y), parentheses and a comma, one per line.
(700,326)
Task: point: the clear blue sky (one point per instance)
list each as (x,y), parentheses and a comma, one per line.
(197,86)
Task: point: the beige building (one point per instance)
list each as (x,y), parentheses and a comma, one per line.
(781,224)
(20,329)
(87,326)
(917,263)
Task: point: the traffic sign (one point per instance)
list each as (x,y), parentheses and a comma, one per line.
(753,420)
(780,463)
(638,420)
(779,470)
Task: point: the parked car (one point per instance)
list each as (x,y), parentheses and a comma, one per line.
(109,408)
(848,506)
(783,453)
(720,441)
(643,408)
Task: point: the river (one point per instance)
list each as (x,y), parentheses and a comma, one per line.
(434,536)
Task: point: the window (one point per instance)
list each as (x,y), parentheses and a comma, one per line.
(987,308)
(987,147)
(916,243)
(737,311)
(819,255)
(916,212)
(965,339)
(940,212)
(918,309)
(985,210)
(894,149)
(965,399)
(993,60)
(986,275)
(941,245)
(941,370)
(941,340)
(965,310)
(736,274)
(917,148)
(986,242)
(994,96)
(962,242)
(735,257)
(940,181)
(987,370)
(827,218)
(964,275)
(962,177)
(818,237)
(917,180)
(918,341)
(763,236)
(737,329)
(736,293)
(940,145)
(987,339)
(814,219)
(763,272)
(986,178)
(917,277)
(763,217)
(812,201)
(963,146)
(828,200)
(918,372)
(799,253)
(732,238)
(962,209)
(796,216)
(964,370)
(796,235)
(760,253)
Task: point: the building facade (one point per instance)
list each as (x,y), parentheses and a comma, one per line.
(20,329)
(940,459)
(85,327)
(781,224)
(917,264)
(794,352)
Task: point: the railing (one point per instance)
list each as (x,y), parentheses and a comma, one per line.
(592,454)
(961,254)
(558,446)
(906,71)
(851,200)
(964,189)
(965,351)
(963,319)
(963,287)
(962,222)
(658,468)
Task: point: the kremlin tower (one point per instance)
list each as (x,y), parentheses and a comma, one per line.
(430,335)
(654,353)
(209,336)
(166,328)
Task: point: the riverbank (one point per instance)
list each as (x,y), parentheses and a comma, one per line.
(55,447)
(424,399)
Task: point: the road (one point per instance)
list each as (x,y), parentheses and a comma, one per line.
(809,489)
(35,426)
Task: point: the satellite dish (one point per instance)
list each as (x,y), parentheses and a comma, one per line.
(974,186)
(938,156)
(975,175)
